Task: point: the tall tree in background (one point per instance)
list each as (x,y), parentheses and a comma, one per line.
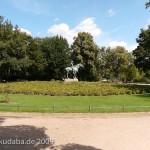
(16,53)
(142,52)
(37,60)
(117,63)
(85,51)
(5,37)
(133,73)
(56,51)
(102,59)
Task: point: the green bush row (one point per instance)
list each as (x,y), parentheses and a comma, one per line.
(59,88)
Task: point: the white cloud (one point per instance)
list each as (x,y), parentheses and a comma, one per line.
(130,48)
(117,43)
(59,29)
(87,25)
(25,31)
(124,44)
(111,12)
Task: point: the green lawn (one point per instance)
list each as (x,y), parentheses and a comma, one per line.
(40,103)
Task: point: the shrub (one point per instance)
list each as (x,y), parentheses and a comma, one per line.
(58,88)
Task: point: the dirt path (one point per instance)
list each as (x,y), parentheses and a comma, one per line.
(126,131)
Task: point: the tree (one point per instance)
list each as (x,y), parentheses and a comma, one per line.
(18,53)
(142,52)
(147,4)
(117,62)
(133,73)
(85,51)
(56,51)
(8,61)
(102,61)
(37,60)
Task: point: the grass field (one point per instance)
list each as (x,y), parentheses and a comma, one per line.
(40,103)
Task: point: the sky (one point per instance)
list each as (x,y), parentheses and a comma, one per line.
(111,22)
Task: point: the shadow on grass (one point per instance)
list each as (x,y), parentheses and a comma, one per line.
(14,137)
(72,146)
(136,89)
(146,97)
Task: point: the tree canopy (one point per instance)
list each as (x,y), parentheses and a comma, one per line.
(56,51)
(115,63)
(26,58)
(85,51)
(142,52)
(19,53)
(147,4)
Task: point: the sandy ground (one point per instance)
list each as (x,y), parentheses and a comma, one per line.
(125,131)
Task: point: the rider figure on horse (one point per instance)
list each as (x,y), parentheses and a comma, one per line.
(74,69)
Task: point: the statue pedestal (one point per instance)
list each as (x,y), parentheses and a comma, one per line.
(71,80)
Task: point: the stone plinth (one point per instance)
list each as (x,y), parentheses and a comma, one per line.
(71,80)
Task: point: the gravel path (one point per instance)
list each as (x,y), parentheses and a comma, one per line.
(124,131)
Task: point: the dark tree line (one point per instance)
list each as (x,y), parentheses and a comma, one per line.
(26,58)
(20,56)
(56,52)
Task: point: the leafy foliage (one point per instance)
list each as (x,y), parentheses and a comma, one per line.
(20,56)
(72,89)
(142,52)
(85,51)
(56,52)
(23,57)
(133,73)
(147,4)
(114,63)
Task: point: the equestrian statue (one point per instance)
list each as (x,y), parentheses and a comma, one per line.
(74,69)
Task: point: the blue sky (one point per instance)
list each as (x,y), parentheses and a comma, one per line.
(111,22)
